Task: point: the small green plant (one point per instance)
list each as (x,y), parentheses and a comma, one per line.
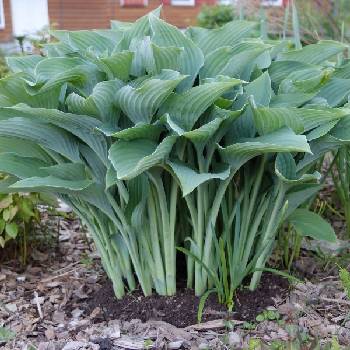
(344,276)
(6,335)
(18,213)
(270,315)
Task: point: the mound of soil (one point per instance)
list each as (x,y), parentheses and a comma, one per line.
(181,310)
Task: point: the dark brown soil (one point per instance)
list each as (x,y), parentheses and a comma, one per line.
(181,310)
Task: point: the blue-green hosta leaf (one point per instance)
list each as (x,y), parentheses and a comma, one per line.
(310,224)
(267,120)
(117,66)
(190,179)
(190,60)
(238,61)
(321,130)
(342,72)
(67,171)
(52,67)
(24,64)
(120,25)
(80,126)
(293,99)
(298,195)
(140,104)
(313,117)
(21,167)
(228,35)
(83,77)
(141,27)
(185,109)
(140,131)
(319,148)
(342,130)
(44,134)
(52,183)
(219,119)
(298,119)
(260,89)
(165,58)
(279,70)
(23,148)
(13,91)
(283,140)
(286,171)
(99,104)
(82,40)
(131,158)
(336,91)
(315,53)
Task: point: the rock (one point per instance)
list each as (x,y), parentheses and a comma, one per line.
(79,345)
(175,344)
(203,346)
(234,338)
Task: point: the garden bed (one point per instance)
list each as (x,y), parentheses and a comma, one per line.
(71,305)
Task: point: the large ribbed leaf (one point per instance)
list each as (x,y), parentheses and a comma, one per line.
(84,39)
(190,60)
(51,183)
(67,171)
(80,126)
(140,104)
(283,140)
(185,109)
(140,131)
(99,104)
(190,179)
(25,64)
(293,99)
(260,89)
(286,171)
(228,35)
(315,53)
(23,148)
(279,70)
(131,158)
(336,91)
(44,134)
(267,120)
(118,65)
(13,91)
(21,167)
(165,58)
(310,224)
(238,61)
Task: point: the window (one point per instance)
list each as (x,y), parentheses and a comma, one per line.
(2,15)
(133,3)
(183,2)
(272,2)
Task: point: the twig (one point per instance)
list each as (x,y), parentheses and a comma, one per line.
(36,298)
(337,301)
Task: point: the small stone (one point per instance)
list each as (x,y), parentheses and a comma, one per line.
(234,338)
(203,346)
(11,307)
(21,278)
(175,344)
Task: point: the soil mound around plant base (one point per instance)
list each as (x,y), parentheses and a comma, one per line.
(181,310)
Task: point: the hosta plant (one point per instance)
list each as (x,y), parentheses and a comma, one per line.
(161,139)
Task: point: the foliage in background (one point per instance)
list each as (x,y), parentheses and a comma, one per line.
(215,16)
(3,65)
(318,19)
(206,140)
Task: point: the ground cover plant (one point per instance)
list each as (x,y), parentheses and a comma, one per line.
(205,140)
